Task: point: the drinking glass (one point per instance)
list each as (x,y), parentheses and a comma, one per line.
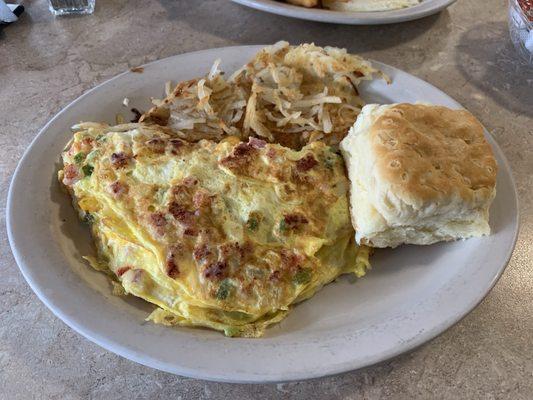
(64,7)
(521,27)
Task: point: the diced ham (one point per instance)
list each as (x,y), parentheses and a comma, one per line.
(159,222)
(87,144)
(118,189)
(157,145)
(275,276)
(172,269)
(119,160)
(216,270)
(190,232)
(180,213)
(122,270)
(71,174)
(293,221)
(306,163)
(201,198)
(242,149)
(240,156)
(200,252)
(290,260)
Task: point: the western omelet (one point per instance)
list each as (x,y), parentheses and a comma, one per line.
(226,235)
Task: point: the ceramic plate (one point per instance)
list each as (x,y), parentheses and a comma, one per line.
(410,296)
(427,7)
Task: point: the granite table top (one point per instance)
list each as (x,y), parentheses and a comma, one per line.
(46,62)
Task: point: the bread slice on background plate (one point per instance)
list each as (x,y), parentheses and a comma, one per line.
(419,174)
(368,5)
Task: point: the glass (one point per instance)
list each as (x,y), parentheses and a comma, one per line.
(64,7)
(521,27)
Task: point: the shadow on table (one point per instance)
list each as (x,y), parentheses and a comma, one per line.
(487,59)
(247,26)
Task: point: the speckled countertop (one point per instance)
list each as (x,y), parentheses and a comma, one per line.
(45,63)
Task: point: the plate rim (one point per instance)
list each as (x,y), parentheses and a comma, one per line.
(345,18)
(147,360)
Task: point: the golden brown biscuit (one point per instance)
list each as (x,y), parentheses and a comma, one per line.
(419,174)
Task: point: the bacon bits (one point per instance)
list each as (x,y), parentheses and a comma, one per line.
(119,160)
(306,163)
(216,270)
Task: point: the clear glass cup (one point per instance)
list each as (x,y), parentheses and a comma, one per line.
(65,7)
(521,28)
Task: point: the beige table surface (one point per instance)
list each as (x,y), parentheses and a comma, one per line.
(45,63)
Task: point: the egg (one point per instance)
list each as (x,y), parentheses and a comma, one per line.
(226,235)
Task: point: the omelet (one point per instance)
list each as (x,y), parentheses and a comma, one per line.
(226,235)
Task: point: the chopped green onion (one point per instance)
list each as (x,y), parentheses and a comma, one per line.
(282,225)
(88,218)
(302,276)
(78,158)
(328,162)
(87,169)
(231,331)
(252,224)
(224,289)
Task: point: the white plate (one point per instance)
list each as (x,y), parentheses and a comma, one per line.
(410,296)
(427,7)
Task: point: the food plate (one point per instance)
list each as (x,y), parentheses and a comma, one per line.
(410,296)
(427,7)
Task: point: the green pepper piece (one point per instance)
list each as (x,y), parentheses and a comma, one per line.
(302,277)
(87,169)
(88,218)
(224,289)
(252,224)
(78,158)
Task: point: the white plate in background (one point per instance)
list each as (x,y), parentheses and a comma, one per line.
(427,7)
(411,295)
